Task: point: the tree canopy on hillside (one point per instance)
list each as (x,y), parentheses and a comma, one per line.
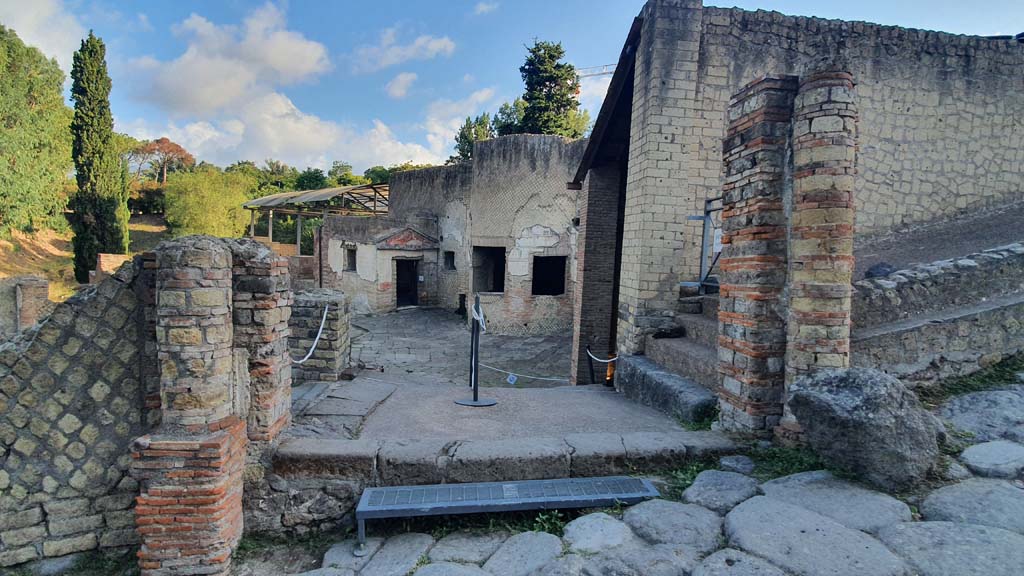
(35,138)
(208,202)
(163,156)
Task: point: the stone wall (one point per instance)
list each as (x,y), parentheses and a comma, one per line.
(331,356)
(71,402)
(520,203)
(934,110)
(23,301)
(946,318)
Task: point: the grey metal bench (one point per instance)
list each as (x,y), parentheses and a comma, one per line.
(479,497)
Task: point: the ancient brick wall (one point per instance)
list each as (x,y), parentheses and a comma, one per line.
(519,202)
(933,107)
(332,353)
(71,402)
(23,301)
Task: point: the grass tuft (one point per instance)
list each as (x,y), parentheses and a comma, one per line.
(996,376)
(777,461)
(681,478)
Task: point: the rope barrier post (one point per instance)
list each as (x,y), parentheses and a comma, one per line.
(474,360)
(590,364)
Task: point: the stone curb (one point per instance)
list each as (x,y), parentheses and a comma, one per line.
(429,461)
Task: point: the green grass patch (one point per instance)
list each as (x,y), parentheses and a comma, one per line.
(777,461)
(316,543)
(105,564)
(996,376)
(704,423)
(681,478)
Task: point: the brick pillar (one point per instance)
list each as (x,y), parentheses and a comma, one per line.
(32,300)
(821,228)
(594,307)
(752,327)
(189,512)
(262,307)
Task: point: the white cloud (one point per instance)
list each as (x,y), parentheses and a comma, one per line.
(592,93)
(388,52)
(484,7)
(144,23)
(399,86)
(47,25)
(273,127)
(444,117)
(223,64)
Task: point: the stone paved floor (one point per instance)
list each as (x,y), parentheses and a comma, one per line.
(729,524)
(434,343)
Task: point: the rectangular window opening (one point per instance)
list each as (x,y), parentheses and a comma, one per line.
(548,275)
(449,260)
(488,268)
(350,259)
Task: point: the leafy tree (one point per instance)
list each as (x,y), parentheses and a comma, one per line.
(277,174)
(311,179)
(551,103)
(101,202)
(35,139)
(341,174)
(509,119)
(162,155)
(382,175)
(472,130)
(208,202)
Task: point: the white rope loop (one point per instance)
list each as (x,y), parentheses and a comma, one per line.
(596,359)
(316,341)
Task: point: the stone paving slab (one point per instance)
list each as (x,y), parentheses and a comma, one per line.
(467,547)
(996,459)
(399,555)
(950,549)
(983,501)
(524,553)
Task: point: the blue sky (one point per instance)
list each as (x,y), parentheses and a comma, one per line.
(367,82)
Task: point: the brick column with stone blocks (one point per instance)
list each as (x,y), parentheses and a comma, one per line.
(331,356)
(594,307)
(752,326)
(821,227)
(262,307)
(189,512)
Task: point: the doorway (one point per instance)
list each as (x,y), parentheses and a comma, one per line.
(406,282)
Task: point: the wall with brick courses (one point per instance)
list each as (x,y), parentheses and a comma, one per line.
(331,356)
(519,202)
(595,272)
(23,301)
(71,402)
(753,263)
(931,139)
(941,319)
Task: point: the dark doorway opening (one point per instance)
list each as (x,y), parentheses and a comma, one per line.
(488,268)
(406,282)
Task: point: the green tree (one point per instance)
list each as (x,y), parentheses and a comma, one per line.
(277,174)
(509,118)
(382,175)
(101,202)
(472,130)
(35,138)
(341,174)
(552,93)
(208,202)
(311,179)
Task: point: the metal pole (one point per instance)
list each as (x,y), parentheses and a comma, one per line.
(474,362)
(270,227)
(252,223)
(705,237)
(298,235)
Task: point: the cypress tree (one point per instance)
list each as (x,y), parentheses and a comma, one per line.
(100,204)
(552,93)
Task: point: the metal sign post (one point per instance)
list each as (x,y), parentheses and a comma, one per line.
(474,360)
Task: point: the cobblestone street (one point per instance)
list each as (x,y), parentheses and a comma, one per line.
(434,344)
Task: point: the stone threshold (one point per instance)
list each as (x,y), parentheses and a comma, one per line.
(376,462)
(947,316)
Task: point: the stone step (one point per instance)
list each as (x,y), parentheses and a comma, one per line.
(706,304)
(688,358)
(372,462)
(642,379)
(699,328)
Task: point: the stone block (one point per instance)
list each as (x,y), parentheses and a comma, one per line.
(518,459)
(69,545)
(597,454)
(354,460)
(404,462)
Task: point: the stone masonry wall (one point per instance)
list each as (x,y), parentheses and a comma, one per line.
(331,356)
(934,110)
(23,301)
(71,402)
(946,318)
(519,202)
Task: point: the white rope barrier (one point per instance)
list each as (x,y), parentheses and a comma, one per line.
(524,375)
(317,339)
(596,359)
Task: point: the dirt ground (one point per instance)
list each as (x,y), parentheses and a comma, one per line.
(48,253)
